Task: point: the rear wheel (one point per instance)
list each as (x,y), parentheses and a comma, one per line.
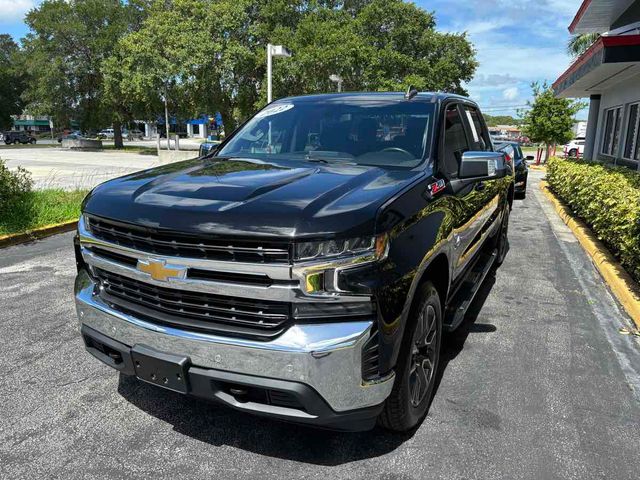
(417,364)
(573,153)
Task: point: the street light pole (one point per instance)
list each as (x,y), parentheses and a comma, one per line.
(273,51)
(336,79)
(269,69)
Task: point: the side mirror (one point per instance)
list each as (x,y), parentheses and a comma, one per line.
(207,147)
(529,157)
(482,165)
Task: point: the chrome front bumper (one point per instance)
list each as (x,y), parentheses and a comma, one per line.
(326,357)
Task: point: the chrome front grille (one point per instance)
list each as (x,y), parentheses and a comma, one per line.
(177,244)
(245,299)
(193,310)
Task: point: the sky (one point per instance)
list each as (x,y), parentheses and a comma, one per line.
(517,42)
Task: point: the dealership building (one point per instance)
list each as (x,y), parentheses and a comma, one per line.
(608,74)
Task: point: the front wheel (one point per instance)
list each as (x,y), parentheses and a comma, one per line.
(410,398)
(503,236)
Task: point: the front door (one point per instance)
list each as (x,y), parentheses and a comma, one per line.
(475,204)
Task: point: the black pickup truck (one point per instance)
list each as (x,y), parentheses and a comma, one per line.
(306,268)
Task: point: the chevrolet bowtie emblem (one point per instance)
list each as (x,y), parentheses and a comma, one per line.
(159,270)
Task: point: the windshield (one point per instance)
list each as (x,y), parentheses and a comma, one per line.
(381,132)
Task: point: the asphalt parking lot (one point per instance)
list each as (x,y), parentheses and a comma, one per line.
(54,167)
(537,383)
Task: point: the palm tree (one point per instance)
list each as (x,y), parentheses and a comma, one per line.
(578,44)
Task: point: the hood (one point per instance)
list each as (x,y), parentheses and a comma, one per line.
(248,197)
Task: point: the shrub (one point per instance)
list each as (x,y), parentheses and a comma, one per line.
(607,199)
(13,184)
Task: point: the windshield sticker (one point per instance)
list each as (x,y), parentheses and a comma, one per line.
(274,110)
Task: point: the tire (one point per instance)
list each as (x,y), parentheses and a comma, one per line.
(502,243)
(573,153)
(32,141)
(419,356)
(523,194)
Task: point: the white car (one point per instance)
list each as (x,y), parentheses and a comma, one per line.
(106,133)
(575,148)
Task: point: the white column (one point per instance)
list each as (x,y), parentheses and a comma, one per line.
(189,130)
(147,130)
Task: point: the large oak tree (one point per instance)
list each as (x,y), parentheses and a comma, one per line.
(12,81)
(68,43)
(107,61)
(209,55)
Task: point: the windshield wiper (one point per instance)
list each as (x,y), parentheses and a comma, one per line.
(327,158)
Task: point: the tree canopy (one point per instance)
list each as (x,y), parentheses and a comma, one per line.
(578,44)
(12,81)
(495,120)
(107,61)
(550,119)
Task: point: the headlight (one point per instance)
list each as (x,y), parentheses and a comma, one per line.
(321,262)
(335,248)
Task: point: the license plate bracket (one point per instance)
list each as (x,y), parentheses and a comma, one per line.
(162,369)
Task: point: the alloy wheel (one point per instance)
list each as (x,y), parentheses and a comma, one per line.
(423,355)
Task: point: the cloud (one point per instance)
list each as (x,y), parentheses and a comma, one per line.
(13,11)
(517,42)
(510,93)
(494,80)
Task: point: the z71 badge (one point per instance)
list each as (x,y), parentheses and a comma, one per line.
(436,187)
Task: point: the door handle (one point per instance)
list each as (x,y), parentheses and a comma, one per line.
(480,186)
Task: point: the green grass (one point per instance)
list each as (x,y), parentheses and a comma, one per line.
(39,208)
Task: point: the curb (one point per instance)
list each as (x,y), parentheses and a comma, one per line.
(624,288)
(18,238)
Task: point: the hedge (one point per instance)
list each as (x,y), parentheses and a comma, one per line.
(607,199)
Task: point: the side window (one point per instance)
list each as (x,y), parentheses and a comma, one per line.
(519,154)
(455,140)
(480,134)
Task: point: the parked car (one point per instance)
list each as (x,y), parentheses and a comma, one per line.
(75,135)
(307,270)
(513,150)
(134,134)
(207,147)
(575,148)
(18,137)
(107,133)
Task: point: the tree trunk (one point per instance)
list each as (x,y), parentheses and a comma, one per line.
(117,135)
(548,152)
(228,121)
